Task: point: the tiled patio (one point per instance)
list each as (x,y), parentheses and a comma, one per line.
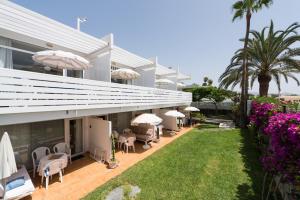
(85,174)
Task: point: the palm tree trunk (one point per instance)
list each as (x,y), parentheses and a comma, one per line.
(264,81)
(244,94)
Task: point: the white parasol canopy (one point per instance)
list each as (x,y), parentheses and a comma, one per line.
(180,85)
(7,159)
(174,113)
(164,81)
(61,60)
(125,74)
(191,109)
(146,118)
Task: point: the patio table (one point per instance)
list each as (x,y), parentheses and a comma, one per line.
(47,159)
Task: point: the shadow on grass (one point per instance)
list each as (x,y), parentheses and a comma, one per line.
(252,167)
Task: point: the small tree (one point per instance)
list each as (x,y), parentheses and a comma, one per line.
(113,163)
(113,149)
(200,93)
(217,95)
(210,82)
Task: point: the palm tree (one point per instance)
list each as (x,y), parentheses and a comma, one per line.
(270,56)
(242,8)
(205,79)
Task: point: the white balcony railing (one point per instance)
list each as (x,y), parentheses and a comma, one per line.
(22,92)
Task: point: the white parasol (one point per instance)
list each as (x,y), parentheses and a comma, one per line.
(146,118)
(174,113)
(125,74)
(164,81)
(7,159)
(180,85)
(61,60)
(191,109)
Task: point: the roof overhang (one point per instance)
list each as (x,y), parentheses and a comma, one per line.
(164,71)
(123,57)
(19,23)
(181,76)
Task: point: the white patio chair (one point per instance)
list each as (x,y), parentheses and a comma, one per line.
(63,148)
(36,155)
(121,140)
(115,134)
(129,143)
(53,167)
(127,131)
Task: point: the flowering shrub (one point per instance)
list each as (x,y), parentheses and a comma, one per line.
(260,113)
(283,153)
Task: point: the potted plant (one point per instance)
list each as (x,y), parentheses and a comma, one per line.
(113,163)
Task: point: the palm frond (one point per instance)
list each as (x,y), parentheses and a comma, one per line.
(269,53)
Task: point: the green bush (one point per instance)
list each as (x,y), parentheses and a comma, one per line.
(199,116)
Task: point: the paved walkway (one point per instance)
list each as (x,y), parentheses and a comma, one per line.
(85,175)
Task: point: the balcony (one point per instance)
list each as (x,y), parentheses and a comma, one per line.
(30,92)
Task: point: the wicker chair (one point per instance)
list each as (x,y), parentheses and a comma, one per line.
(127,131)
(129,143)
(36,155)
(121,140)
(53,167)
(63,148)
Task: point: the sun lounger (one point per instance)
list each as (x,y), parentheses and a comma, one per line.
(144,133)
(21,191)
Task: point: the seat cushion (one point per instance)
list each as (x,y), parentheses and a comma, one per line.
(17,182)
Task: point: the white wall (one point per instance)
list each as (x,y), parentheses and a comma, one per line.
(100,69)
(99,135)
(147,78)
(172,86)
(168,122)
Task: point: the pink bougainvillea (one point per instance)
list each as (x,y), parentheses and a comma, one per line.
(283,154)
(260,113)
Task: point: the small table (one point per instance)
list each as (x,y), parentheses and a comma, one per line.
(47,159)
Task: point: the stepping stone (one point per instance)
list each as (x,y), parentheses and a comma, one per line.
(118,193)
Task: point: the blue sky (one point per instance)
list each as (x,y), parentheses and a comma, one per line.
(196,35)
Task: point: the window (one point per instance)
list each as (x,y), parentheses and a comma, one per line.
(26,137)
(18,55)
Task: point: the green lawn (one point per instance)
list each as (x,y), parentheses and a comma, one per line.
(206,163)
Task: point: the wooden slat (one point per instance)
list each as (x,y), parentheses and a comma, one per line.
(22,91)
